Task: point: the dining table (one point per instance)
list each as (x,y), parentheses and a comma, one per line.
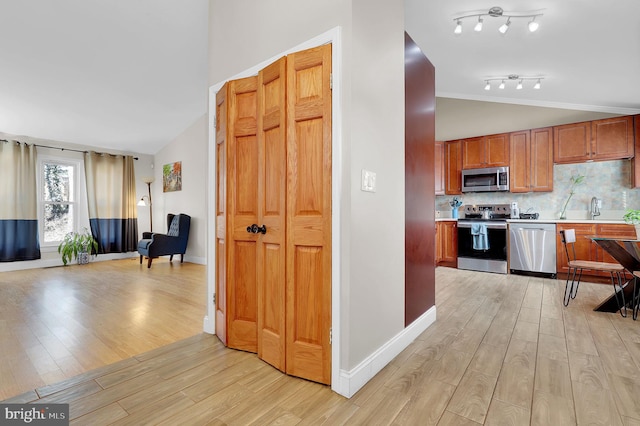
(625,251)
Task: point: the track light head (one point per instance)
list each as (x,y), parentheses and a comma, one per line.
(458,29)
(519,86)
(537,85)
(505,27)
(533,25)
(501,85)
(487,86)
(478,26)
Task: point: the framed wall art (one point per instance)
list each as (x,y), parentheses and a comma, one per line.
(172,177)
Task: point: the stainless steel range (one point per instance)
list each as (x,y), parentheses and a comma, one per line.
(482,237)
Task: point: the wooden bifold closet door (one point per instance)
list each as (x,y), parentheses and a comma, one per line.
(273,214)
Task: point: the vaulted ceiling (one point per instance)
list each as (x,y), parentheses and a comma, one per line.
(125,74)
(587,51)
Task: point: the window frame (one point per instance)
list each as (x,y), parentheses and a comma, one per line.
(74,194)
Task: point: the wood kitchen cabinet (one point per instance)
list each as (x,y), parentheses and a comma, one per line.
(612,230)
(586,249)
(531,162)
(612,138)
(485,151)
(447,243)
(453,167)
(439,168)
(635,163)
(541,174)
(607,139)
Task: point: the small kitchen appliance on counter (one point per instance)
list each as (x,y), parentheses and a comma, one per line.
(515,211)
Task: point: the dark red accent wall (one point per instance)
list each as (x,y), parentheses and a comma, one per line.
(420,226)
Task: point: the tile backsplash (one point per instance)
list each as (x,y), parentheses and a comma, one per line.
(607,180)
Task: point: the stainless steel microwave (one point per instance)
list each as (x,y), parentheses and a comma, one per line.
(485,180)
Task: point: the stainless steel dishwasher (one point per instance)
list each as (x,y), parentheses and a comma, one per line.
(532,248)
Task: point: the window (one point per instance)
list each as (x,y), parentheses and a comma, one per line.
(58,200)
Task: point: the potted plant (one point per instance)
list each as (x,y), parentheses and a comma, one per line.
(78,246)
(455,203)
(632,217)
(575,181)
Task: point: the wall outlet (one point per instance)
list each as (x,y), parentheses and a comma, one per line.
(368,183)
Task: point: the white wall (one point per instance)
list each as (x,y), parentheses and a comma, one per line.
(49,255)
(371,244)
(190,147)
(459,118)
(376,222)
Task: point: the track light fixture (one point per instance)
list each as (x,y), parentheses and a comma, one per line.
(497,12)
(512,77)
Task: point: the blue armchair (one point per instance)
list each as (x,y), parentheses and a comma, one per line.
(175,241)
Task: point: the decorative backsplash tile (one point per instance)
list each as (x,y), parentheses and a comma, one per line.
(607,180)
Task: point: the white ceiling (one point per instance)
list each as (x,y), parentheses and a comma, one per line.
(587,50)
(120,74)
(132,74)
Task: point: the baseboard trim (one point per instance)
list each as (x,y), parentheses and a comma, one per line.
(208,326)
(195,259)
(351,381)
(56,261)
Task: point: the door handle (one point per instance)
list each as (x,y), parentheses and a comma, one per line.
(255,229)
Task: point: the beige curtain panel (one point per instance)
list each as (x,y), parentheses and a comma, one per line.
(111,193)
(18,202)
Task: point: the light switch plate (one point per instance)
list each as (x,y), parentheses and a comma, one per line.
(368,181)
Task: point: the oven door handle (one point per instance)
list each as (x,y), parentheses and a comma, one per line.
(489,225)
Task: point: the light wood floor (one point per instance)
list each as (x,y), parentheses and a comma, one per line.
(56,323)
(503,351)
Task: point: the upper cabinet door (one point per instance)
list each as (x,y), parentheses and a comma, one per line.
(520,160)
(572,143)
(497,150)
(612,138)
(453,167)
(439,168)
(541,173)
(473,153)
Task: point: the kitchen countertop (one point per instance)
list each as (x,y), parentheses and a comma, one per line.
(556,221)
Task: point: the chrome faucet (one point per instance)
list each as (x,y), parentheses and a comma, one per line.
(595,207)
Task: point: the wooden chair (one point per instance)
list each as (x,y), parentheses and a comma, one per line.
(576,266)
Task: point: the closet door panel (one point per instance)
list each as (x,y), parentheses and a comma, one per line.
(242,247)
(308,308)
(221,217)
(272,166)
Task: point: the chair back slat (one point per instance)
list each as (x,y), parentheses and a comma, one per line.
(568,239)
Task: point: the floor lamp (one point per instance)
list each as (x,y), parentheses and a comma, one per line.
(146,200)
